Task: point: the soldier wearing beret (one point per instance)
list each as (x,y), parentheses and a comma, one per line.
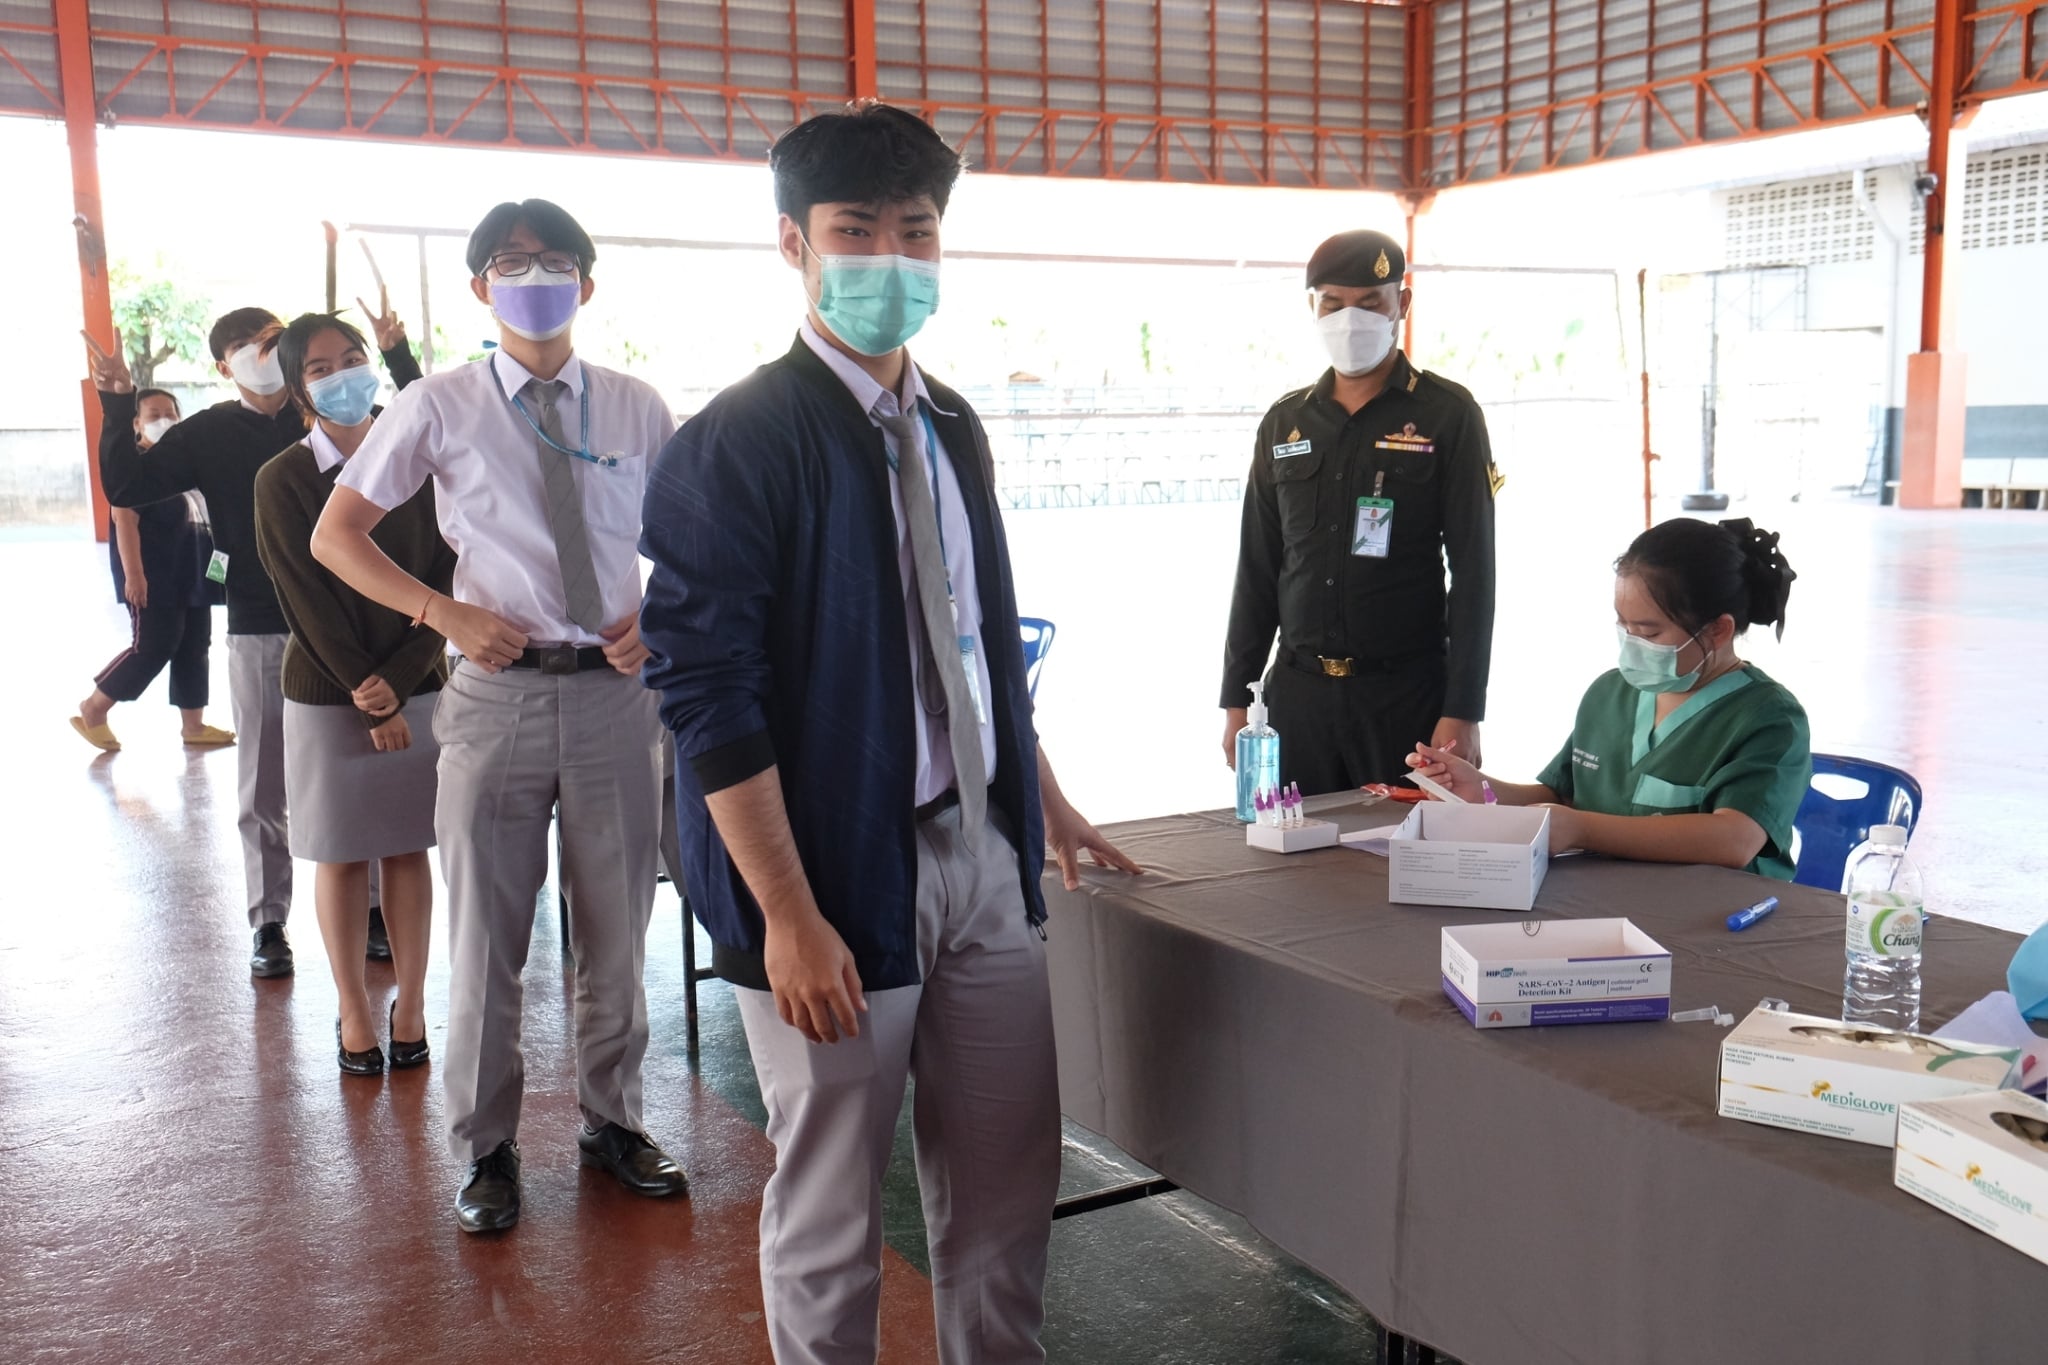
(1367,489)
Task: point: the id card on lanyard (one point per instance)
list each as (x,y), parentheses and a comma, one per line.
(963,638)
(1372,534)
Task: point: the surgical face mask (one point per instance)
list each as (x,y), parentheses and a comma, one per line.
(153,431)
(876,303)
(1650,667)
(1357,340)
(2027,977)
(256,370)
(346,396)
(538,305)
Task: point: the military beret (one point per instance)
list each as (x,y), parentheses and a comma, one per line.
(1357,260)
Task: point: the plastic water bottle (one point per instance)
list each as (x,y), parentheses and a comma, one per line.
(1887,906)
(1258,757)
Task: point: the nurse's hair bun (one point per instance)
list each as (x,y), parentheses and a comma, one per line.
(1764,571)
(1697,572)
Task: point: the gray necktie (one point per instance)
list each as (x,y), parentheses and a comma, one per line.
(565,510)
(942,638)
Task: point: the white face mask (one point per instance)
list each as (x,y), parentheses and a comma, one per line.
(1357,340)
(260,373)
(153,431)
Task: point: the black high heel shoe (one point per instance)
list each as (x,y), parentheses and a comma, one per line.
(366,1063)
(404,1054)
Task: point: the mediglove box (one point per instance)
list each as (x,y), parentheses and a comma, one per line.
(1486,857)
(1588,971)
(1984,1159)
(1843,1080)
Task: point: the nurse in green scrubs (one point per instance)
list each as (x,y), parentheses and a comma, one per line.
(1684,753)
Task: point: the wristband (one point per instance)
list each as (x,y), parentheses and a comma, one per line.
(421,619)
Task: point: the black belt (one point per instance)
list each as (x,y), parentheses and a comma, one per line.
(1345,668)
(938,805)
(562,659)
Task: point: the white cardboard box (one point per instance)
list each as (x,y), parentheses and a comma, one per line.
(1487,857)
(1842,1080)
(1587,971)
(1983,1158)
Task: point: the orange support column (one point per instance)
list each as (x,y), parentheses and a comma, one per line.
(81,117)
(860,24)
(1931,451)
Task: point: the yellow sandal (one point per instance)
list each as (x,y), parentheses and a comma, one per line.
(210,737)
(99,736)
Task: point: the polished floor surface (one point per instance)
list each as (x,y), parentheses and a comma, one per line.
(185,1176)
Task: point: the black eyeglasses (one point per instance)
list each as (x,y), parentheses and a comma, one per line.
(510,265)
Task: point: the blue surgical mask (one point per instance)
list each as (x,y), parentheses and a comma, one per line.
(1650,667)
(346,396)
(2027,977)
(876,303)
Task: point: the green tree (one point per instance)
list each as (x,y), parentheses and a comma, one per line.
(158,319)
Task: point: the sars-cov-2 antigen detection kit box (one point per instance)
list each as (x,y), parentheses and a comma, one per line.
(1587,971)
(1844,1080)
(1983,1158)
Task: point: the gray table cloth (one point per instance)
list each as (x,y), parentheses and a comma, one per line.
(1270,1032)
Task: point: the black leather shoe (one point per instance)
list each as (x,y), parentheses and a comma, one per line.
(633,1160)
(489,1201)
(404,1054)
(366,1063)
(380,942)
(273,955)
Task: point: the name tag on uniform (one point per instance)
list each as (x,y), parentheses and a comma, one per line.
(1281,452)
(217,567)
(1373,532)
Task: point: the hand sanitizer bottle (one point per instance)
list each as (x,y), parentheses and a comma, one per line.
(1258,757)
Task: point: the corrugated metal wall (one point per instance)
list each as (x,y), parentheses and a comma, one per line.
(1290,92)
(1523,86)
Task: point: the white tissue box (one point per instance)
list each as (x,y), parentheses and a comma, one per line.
(1486,857)
(1983,1158)
(1841,1080)
(1292,838)
(1587,971)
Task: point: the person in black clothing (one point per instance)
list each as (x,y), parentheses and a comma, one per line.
(217,452)
(158,554)
(1362,487)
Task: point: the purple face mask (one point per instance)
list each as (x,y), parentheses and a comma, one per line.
(538,305)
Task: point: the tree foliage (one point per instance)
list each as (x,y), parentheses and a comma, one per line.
(158,318)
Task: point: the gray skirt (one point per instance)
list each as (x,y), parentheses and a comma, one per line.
(347,802)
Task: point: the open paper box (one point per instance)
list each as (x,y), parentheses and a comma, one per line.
(1843,1080)
(1588,971)
(1983,1158)
(1487,857)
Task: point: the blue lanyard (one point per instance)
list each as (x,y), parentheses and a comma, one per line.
(931,451)
(582,405)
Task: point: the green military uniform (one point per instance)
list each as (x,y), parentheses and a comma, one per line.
(1739,743)
(1350,520)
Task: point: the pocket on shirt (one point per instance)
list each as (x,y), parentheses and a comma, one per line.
(1294,489)
(1658,794)
(612,497)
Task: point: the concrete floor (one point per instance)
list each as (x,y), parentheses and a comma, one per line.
(187,1176)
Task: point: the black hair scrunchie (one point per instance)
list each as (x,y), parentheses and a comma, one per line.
(1765,572)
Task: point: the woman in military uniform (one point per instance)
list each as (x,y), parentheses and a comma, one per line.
(1684,729)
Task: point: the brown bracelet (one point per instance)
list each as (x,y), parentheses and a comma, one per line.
(421,619)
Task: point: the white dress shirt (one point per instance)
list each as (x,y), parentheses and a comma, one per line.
(459,428)
(934,748)
(326,454)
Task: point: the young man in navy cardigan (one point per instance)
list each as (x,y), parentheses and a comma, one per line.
(862,805)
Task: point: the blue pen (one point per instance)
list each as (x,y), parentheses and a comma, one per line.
(1742,919)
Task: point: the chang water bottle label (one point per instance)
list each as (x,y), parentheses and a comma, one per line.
(1883,925)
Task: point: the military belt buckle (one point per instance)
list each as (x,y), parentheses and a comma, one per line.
(557,659)
(1335,668)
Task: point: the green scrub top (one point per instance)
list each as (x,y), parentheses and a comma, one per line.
(1739,743)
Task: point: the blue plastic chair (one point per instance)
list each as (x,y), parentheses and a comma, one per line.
(1037,634)
(1830,825)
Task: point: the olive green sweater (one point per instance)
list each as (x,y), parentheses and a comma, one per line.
(340,637)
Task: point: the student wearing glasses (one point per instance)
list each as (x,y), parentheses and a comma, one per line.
(360,684)
(538,460)
(159,553)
